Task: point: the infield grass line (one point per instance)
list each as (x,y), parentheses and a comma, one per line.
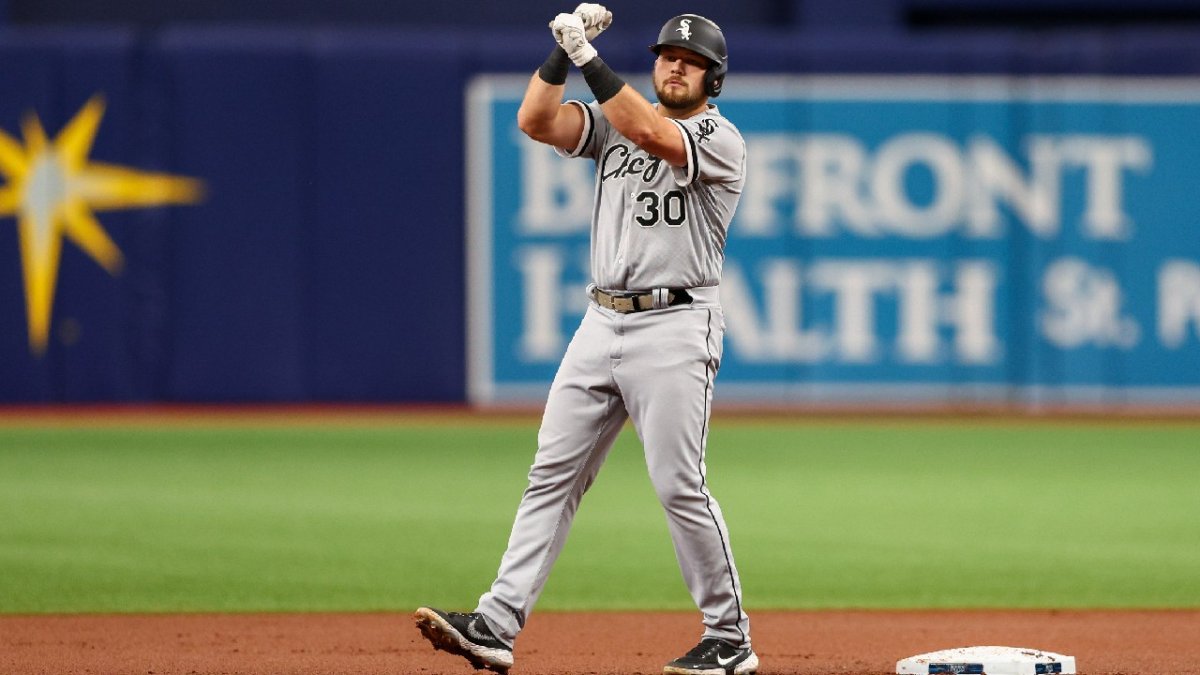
(387,514)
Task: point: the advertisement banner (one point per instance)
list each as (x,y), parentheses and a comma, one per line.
(899,239)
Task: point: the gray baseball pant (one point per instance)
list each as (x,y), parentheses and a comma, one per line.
(655,368)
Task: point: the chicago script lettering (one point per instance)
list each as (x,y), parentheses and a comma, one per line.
(619,162)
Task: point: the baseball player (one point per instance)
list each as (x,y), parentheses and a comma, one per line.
(668,179)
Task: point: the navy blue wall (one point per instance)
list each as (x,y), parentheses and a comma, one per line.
(815,15)
(326,262)
(516,13)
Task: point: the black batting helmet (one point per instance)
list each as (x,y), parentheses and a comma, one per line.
(694,32)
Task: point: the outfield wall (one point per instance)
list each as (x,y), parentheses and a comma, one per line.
(1014,237)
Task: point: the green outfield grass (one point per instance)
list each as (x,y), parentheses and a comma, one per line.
(386,515)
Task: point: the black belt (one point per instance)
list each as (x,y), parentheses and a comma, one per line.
(626,303)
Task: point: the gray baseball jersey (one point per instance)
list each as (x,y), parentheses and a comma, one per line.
(658,226)
(653,227)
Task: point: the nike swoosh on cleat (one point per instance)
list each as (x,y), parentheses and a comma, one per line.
(726,662)
(474,633)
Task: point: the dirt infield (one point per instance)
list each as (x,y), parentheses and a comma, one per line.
(563,643)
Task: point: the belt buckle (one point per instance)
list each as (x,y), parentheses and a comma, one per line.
(625,304)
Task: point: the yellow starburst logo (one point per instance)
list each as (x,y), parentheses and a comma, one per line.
(54,192)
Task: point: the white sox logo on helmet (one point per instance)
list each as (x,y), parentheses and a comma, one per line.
(685,29)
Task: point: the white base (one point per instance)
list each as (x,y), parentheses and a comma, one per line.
(989,661)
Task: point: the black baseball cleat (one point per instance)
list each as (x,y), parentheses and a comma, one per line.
(466,635)
(715,657)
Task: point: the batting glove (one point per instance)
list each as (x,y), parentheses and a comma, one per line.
(570,34)
(596,18)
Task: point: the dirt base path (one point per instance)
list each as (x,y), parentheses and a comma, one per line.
(568,643)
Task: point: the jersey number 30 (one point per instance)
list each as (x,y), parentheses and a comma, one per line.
(653,209)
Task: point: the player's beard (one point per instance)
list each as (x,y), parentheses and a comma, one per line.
(677,99)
